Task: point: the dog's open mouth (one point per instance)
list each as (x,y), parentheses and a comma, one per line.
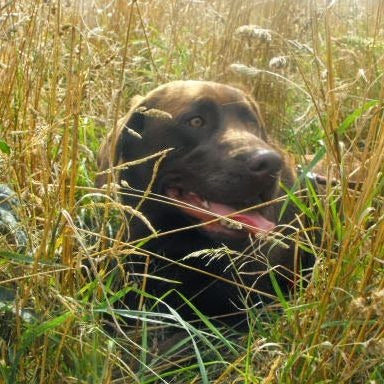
(229,222)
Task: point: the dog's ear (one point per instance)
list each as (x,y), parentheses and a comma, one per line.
(117,140)
(133,120)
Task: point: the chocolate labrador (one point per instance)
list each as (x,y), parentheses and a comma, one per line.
(195,158)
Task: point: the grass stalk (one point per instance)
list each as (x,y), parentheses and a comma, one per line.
(69,70)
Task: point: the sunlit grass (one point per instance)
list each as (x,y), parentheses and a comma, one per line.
(68,70)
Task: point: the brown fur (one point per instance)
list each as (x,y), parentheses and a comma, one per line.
(221,154)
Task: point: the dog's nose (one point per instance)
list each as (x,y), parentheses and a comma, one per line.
(265,163)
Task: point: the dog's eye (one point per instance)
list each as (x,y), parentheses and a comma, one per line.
(196,122)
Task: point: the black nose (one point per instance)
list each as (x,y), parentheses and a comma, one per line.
(264,163)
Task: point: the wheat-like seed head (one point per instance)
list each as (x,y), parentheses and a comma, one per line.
(254,32)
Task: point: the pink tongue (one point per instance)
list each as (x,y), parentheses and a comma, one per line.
(255,220)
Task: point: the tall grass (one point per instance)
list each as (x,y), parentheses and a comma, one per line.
(68,70)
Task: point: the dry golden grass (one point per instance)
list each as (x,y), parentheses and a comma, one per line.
(68,70)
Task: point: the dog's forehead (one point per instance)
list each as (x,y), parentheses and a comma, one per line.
(186,92)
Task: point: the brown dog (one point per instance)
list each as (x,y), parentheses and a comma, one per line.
(220,179)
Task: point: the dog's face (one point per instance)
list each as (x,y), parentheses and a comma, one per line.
(220,161)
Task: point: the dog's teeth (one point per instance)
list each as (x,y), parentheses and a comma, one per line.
(230,224)
(205,204)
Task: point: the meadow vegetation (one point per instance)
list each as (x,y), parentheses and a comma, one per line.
(68,70)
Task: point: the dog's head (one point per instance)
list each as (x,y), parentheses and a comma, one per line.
(220,160)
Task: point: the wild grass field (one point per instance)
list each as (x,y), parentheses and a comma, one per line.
(68,70)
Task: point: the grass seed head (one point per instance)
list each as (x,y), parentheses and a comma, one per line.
(377,302)
(154,113)
(244,70)
(254,32)
(278,62)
